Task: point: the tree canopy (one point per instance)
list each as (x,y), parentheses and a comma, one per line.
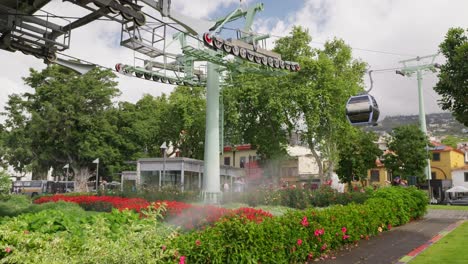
(407,152)
(62,122)
(453,76)
(358,153)
(268,111)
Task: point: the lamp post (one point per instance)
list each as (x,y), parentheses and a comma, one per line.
(66,176)
(163,148)
(97,173)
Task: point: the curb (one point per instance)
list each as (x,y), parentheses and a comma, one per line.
(408,257)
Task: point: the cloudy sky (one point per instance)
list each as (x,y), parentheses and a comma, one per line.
(381,32)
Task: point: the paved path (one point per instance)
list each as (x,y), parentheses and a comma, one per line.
(390,246)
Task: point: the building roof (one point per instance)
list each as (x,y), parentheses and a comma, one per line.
(439,147)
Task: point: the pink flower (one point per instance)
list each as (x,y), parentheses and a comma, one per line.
(310,256)
(304,221)
(319,232)
(198,242)
(324,247)
(182,260)
(7,249)
(299,242)
(345,237)
(343,229)
(389,226)
(26,232)
(163,247)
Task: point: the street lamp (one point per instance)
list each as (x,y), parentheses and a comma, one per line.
(97,173)
(66,176)
(163,148)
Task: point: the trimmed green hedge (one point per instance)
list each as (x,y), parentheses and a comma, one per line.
(300,236)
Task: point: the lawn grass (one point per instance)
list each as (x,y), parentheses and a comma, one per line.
(449,249)
(448,207)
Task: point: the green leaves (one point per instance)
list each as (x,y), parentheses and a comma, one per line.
(358,153)
(407,152)
(453,76)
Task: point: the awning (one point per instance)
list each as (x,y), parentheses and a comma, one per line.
(457,189)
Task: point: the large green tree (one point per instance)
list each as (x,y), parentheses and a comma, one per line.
(453,76)
(358,153)
(63,121)
(268,111)
(407,152)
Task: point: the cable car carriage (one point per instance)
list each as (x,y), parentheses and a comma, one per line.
(363,109)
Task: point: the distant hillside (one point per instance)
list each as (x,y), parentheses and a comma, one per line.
(438,124)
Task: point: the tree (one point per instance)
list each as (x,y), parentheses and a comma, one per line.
(5,184)
(268,111)
(453,76)
(63,121)
(407,152)
(357,154)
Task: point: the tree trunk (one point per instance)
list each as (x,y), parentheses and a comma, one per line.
(81,178)
(318,159)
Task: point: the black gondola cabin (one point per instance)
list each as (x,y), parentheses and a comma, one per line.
(362,110)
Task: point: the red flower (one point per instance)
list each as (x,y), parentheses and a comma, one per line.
(389,226)
(7,249)
(343,229)
(324,247)
(345,237)
(163,247)
(299,242)
(304,222)
(198,242)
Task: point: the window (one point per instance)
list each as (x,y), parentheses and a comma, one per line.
(466,176)
(242,162)
(374,176)
(227,161)
(436,156)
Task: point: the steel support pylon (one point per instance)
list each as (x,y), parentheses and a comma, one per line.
(211,176)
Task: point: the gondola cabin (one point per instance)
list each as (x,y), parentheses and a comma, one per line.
(362,110)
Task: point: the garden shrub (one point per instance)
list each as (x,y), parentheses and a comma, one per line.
(14,205)
(299,236)
(54,236)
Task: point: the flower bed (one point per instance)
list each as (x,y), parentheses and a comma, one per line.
(178,213)
(302,236)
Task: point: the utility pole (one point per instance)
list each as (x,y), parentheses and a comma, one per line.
(418,68)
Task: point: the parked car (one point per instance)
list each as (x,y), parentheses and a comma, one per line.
(461,201)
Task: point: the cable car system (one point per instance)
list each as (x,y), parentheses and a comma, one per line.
(362,109)
(168,47)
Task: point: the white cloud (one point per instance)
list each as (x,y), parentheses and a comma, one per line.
(408,27)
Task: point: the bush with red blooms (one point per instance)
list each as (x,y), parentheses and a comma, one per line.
(181,214)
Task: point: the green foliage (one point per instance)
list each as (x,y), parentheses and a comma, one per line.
(5,185)
(407,154)
(358,154)
(267,111)
(14,205)
(75,236)
(452,84)
(301,198)
(62,122)
(453,141)
(299,236)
